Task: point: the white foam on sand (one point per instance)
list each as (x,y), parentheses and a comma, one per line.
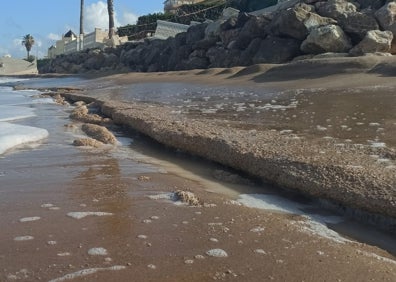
(8,113)
(381,258)
(163,196)
(27,219)
(378,145)
(47,205)
(270,202)
(12,135)
(65,254)
(86,272)
(24,238)
(98,252)
(170,197)
(80,215)
(311,223)
(218,253)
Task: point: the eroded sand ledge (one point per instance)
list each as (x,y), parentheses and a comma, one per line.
(293,164)
(346,176)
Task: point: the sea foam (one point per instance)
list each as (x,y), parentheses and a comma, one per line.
(8,113)
(12,135)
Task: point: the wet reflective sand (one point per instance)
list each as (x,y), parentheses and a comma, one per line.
(93,215)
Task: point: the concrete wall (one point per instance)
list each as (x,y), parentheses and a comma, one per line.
(95,39)
(168,29)
(11,66)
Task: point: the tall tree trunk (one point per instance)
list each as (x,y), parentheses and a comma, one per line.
(110,9)
(82,17)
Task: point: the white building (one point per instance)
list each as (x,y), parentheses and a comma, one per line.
(71,43)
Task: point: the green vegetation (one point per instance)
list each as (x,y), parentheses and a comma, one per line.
(251,5)
(31,58)
(210,9)
(43,62)
(207,10)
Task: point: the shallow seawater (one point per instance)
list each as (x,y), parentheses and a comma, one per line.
(361,115)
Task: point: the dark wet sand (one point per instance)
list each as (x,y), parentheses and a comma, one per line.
(176,237)
(328,136)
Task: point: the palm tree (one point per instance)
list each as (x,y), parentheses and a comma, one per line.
(28,42)
(110,9)
(82,17)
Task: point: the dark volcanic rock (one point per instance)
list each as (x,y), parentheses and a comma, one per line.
(195,33)
(276,50)
(356,25)
(297,22)
(308,26)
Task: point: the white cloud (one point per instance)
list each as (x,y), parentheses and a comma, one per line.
(96,16)
(17,43)
(53,36)
(128,18)
(3,51)
(38,43)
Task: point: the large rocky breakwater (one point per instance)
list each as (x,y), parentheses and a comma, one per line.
(290,31)
(346,176)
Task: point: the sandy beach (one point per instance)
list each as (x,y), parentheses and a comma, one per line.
(257,146)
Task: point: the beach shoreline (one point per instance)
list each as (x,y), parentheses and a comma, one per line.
(310,165)
(108,214)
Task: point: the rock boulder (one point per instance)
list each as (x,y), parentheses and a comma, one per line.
(329,38)
(297,23)
(374,41)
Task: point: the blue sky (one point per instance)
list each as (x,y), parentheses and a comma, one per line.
(47,20)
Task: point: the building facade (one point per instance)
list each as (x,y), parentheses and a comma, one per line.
(71,43)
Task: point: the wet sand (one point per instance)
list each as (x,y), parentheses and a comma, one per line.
(152,238)
(331,142)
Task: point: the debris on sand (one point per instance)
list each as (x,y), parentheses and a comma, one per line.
(144,178)
(59,99)
(99,133)
(87,142)
(82,112)
(187,197)
(179,197)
